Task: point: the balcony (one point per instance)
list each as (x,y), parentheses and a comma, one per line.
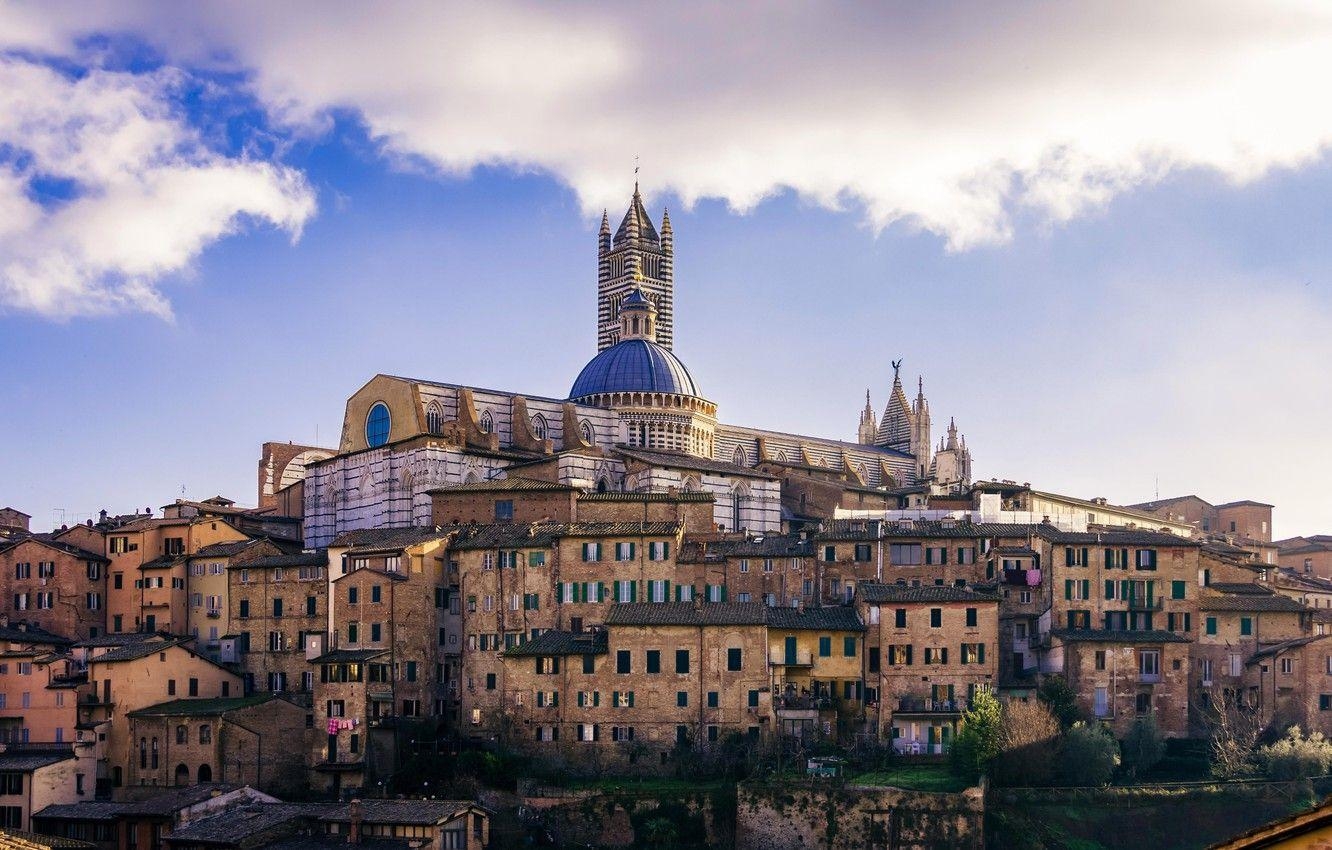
(802,703)
(778,658)
(1136,604)
(1149,678)
(214,614)
(1023,578)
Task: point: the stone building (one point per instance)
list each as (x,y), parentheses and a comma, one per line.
(54,585)
(928,649)
(1120,676)
(208,591)
(34,778)
(238,740)
(129,672)
(277,619)
(634,420)
(1309,555)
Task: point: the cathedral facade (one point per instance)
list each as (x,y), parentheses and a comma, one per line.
(634,420)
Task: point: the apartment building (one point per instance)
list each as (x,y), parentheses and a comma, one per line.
(54,585)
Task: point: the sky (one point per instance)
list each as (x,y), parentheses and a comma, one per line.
(1097,230)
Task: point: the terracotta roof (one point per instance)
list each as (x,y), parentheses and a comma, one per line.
(340,656)
(1117,636)
(13,839)
(556,642)
(839,618)
(317,558)
(1243,502)
(696,550)
(235,825)
(418,812)
(162,562)
(59,546)
(875,593)
(1237,587)
(1250,602)
(135,651)
(383,538)
(687,614)
(24,761)
(871,529)
(611,496)
(1132,537)
(544,534)
(32,634)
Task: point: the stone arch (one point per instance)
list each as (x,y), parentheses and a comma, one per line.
(539,427)
(182,775)
(205,773)
(487,422)
(740,457)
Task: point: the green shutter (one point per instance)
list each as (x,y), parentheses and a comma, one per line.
(1086,588)
(631,699)
(1068,588)
(1109,588)
(666,550)
(981,654)
(1084,556)
(666,595)
(633,591)
(723,593)
(1123,589)
(632,548)
(1151,592)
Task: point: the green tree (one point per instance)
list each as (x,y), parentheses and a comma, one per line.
(1056,693)
(1143,747)
(1294,756)
(979,741)
(1088,755)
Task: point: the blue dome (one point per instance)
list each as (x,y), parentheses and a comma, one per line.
(635,365)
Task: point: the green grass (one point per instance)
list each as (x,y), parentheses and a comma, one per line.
(915,777)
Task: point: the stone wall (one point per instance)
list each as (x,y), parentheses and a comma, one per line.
(834,816)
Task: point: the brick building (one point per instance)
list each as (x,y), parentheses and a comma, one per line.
(54,585)
(278,619)
(928,650)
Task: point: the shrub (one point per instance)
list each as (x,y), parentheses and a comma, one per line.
(1143,746)
(1295,756)
(1088,755)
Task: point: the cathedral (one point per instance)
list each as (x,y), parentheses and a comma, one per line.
(634,421)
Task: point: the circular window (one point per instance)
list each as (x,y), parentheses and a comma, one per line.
(377,425)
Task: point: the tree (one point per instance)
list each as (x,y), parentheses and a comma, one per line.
(978,742)
(1234,728)
(1143,746)
(1056,693)
(1089,755)
(1028,739)
(1296,757)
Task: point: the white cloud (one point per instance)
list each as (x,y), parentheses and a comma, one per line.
(145,196)
(952,118)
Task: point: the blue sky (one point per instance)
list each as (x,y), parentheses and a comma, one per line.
(200,249)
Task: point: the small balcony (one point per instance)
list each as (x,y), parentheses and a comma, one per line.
(1149,678)
(803,702)
(778,658)
(214,614)
(929,705)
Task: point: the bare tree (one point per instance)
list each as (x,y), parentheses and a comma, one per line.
(1234,728)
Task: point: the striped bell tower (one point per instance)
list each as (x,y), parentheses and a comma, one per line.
(636,257)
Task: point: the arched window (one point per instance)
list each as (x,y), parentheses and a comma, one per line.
(740,458)
(585,430)
(153,760)
(434,418)
(205,773)
(182,775)
(863,472)
(487,422)
(603,486)
(377,425)
(781,456)
(738,497)
(690,484)
(143,754)
(539,426)
(182,734)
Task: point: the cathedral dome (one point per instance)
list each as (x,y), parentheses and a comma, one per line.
(634,365)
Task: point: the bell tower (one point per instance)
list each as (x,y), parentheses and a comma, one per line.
(636,257)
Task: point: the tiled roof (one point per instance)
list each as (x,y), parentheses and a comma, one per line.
(1015,551)
(135,651)
(201,707)
(90,810)
(23,761)
(170,801)
(512,484)
(1153,506)
(836,618)
(1250,602)
(696,550)
(31,634)
(68,549)
(162,562)
(1117,636)
(874,592)
(381,538)
(320,841)
(339,656)
(1114,538)
(870,529)
(318,558)
(675,460)
(555,642)
(1237,587)
(236,825)
(1243,502)
(419,812)
(687,614)
(13,839)
(116,639)
(224,550)
(1278,648)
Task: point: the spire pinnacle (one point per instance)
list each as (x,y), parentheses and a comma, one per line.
(605,222)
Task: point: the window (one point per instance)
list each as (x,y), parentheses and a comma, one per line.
(862,552)
(353,595)
(899,656)
(377,425)
(194,687)
(971,618)
(277,607)
(712,699)
(1145,559)
(654,661)
(899,618)
(591,552)
(681,661)
(1177,589)
(848,647)
(1101,702)
(1149,665)
(504,510)
(830,553)
(825,646)
(1246,625)
(625,551)
(1205,665)
(1287,665)
(733,659)
(622,662)
(906,554)
(936,618)
(744,565)
(1210,625)
(205,734)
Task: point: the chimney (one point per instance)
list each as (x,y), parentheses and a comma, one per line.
(354,811)
(101,515)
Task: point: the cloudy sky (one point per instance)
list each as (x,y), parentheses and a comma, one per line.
(1098,230)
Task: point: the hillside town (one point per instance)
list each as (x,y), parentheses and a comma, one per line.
(615,583)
